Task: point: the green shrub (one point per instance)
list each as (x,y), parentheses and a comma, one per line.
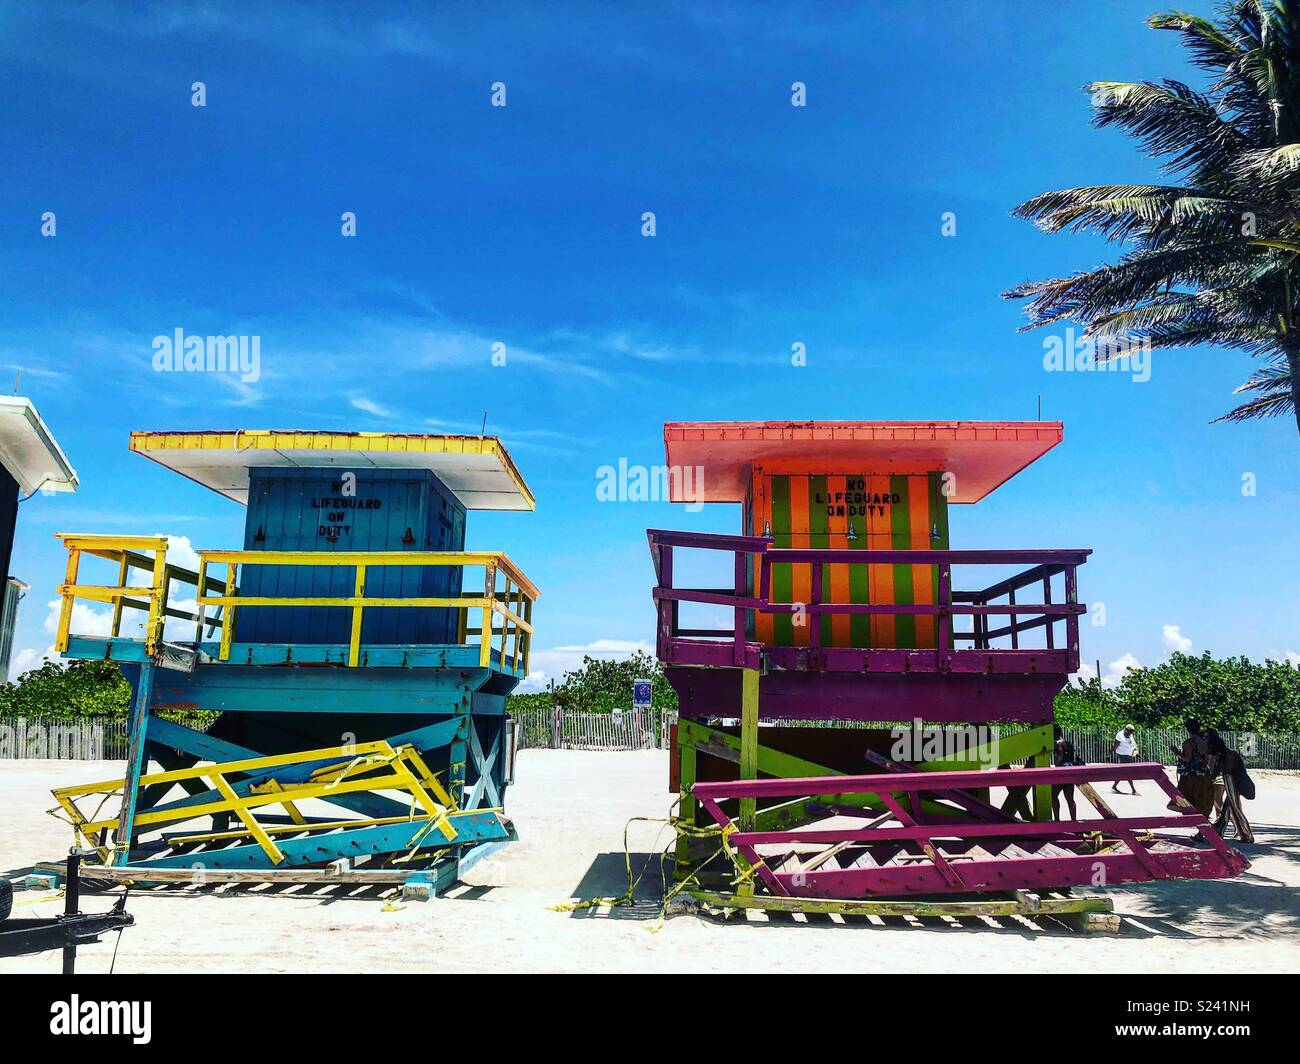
(1235,694)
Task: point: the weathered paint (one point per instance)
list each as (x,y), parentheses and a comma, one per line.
(308,510)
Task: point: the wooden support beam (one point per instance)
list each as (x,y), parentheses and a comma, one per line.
(145,874)
(138,726)
(1007,905)
(748,742)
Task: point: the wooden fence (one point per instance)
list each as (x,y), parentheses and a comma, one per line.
(569,729)
(578,730)
(90,739)
(1257,751)
(105,738)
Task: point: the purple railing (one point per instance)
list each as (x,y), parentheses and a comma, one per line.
(966,853)
(751,593)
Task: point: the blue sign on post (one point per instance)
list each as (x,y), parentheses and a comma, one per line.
(641,692)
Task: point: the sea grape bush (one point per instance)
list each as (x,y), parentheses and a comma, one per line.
(1236,694)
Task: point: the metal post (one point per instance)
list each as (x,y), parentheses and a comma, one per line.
(71,906)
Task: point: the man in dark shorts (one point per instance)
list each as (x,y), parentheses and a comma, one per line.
(1126,752)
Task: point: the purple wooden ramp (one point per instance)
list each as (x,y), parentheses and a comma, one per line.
(921,833)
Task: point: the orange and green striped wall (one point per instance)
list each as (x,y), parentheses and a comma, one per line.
(843,511)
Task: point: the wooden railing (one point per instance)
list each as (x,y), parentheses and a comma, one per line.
(513,602)
(130,554)
(505,592)
(752,593)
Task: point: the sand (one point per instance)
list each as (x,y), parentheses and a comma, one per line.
(570,808)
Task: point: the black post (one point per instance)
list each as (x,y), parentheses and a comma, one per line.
(71,906)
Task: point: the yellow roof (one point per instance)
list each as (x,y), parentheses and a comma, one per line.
(476,469)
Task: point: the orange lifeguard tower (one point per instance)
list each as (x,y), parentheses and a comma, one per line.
(855,628)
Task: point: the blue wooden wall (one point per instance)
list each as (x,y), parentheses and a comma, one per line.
(307,510)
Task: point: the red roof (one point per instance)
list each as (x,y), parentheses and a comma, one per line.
(980,454)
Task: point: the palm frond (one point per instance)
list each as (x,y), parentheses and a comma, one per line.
(1125,212)
(1172,121)
(1213,256)
(1276,395)
(1212,48)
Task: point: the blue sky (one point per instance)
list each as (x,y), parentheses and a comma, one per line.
(521,225)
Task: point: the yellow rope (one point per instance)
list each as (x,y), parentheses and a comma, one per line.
(62,891)
(682,828)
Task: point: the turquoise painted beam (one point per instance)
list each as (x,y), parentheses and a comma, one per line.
(277,689)
(471,828)
(373,656)
(136,764)
(485,785)
(397,656)
(210,748)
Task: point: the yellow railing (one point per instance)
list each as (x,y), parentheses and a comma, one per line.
(362,767)
(513,602)
(506,592)
(130,553)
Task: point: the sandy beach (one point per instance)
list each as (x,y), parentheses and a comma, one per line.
(570,808)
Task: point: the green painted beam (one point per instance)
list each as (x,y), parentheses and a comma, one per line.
(702,739)
(1000,752)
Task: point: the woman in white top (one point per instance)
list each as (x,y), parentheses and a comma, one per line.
(1126,752)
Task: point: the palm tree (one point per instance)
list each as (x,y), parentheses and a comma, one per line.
(1214,257)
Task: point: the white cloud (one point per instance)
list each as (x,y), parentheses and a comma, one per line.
(180,551)
(1114,671)
(370,406)
(552,664)
(1174,640)
(28,658)
(1293,658)
(86,620)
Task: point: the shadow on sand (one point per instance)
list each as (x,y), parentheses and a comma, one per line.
(1252,904)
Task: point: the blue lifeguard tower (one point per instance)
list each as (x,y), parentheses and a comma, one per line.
(355,659)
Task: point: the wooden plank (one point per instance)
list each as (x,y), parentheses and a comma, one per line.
(140,874)
(1006,905)
(819,859)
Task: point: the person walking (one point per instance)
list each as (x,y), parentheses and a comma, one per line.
(1126,752)
(1194,779)
(1232,785)
(1063,755)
